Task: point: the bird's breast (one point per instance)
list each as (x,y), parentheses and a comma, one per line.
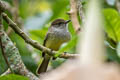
(57,38)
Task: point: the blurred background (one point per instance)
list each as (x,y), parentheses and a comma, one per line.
(35,16)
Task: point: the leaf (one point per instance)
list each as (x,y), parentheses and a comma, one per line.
(57,62)
(3,65)
(38,35)
(112,23)
(112,55)
(13,77)
(59,11)
(71,44)
(30,63)
(69,47)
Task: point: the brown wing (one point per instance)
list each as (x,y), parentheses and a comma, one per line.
(43,67)
(46,38)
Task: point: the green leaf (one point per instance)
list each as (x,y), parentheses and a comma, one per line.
(69,47)
(13,77)
(72,43)
(59,11)
(112,55)
(38,35)
(57,62)
(112,23)
(3,65)
(30,63)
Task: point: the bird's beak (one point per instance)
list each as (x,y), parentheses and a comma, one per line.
(67,21)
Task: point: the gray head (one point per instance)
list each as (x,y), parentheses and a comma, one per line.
(60,23)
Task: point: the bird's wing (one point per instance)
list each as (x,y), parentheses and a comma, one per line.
(46,38)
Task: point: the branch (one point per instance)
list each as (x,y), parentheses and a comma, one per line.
(68,55)
(14,58)
(3,53)
(1,45)
(13,10)
(6,6)
(6,73)
(117,4)
(31,42)
(15,15)
(73,15)
(1,10)
(80,10)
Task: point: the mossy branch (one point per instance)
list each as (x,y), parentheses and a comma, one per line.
(14,58)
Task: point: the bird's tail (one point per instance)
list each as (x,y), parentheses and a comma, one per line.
(43,67)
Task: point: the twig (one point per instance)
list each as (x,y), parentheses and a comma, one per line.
(117,4)
(16,8)
(14,15)
(6,72)
(68,55)
(80,10)
(6,6)
(73,15)
(1,17)
(30,41)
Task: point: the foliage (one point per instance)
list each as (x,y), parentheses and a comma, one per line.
(13,77)
(112,21)
(40,17)
(37,16)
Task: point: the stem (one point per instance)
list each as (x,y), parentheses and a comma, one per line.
(73,15)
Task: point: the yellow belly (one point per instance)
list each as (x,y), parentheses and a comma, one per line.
(53,44)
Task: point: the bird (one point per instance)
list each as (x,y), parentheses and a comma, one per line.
(57,34)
